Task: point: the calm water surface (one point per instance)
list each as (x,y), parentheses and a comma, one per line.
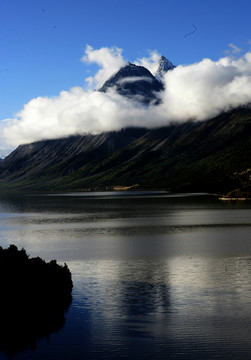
(156,275)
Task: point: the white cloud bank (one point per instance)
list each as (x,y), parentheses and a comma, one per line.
(198,92)
(110,61)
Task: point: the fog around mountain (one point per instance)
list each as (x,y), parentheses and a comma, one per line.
(191,92)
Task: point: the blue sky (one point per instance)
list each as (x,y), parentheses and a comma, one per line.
(42,41)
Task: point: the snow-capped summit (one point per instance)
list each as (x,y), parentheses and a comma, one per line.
(138,83)
(135,82)
(164,66)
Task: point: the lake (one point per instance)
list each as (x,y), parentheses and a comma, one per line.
(156,275)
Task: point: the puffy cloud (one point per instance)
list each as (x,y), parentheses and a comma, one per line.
(151,62)
(110,61)
(198,92)
(205,89)
(72,112)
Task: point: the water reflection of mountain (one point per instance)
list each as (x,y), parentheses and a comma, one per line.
(34,298)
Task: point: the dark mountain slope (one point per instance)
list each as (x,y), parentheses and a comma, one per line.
(212,156)
(41,157)
(191,157)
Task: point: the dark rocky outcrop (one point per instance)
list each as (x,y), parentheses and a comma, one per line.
(34,297)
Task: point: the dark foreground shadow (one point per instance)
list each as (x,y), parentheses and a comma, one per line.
(34,296)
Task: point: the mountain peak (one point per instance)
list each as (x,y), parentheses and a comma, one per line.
(164,66)
(135,82)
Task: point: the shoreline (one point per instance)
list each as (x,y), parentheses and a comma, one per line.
(235,198)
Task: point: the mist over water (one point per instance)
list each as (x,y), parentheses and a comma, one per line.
(156,275)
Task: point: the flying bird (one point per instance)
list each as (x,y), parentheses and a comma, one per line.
(192,32)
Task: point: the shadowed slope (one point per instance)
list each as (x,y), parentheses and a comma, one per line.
(192,156)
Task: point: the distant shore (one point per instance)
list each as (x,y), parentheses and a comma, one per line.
(235,198)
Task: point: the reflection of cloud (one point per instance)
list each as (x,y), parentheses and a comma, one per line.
(210,292)
(208,278)
(135,287)
(198,92)
(170,306)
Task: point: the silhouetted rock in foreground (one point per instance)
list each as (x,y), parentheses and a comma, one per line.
(34,297)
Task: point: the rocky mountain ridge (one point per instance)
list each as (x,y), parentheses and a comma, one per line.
(164,66)
(138,83)
(202,156)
